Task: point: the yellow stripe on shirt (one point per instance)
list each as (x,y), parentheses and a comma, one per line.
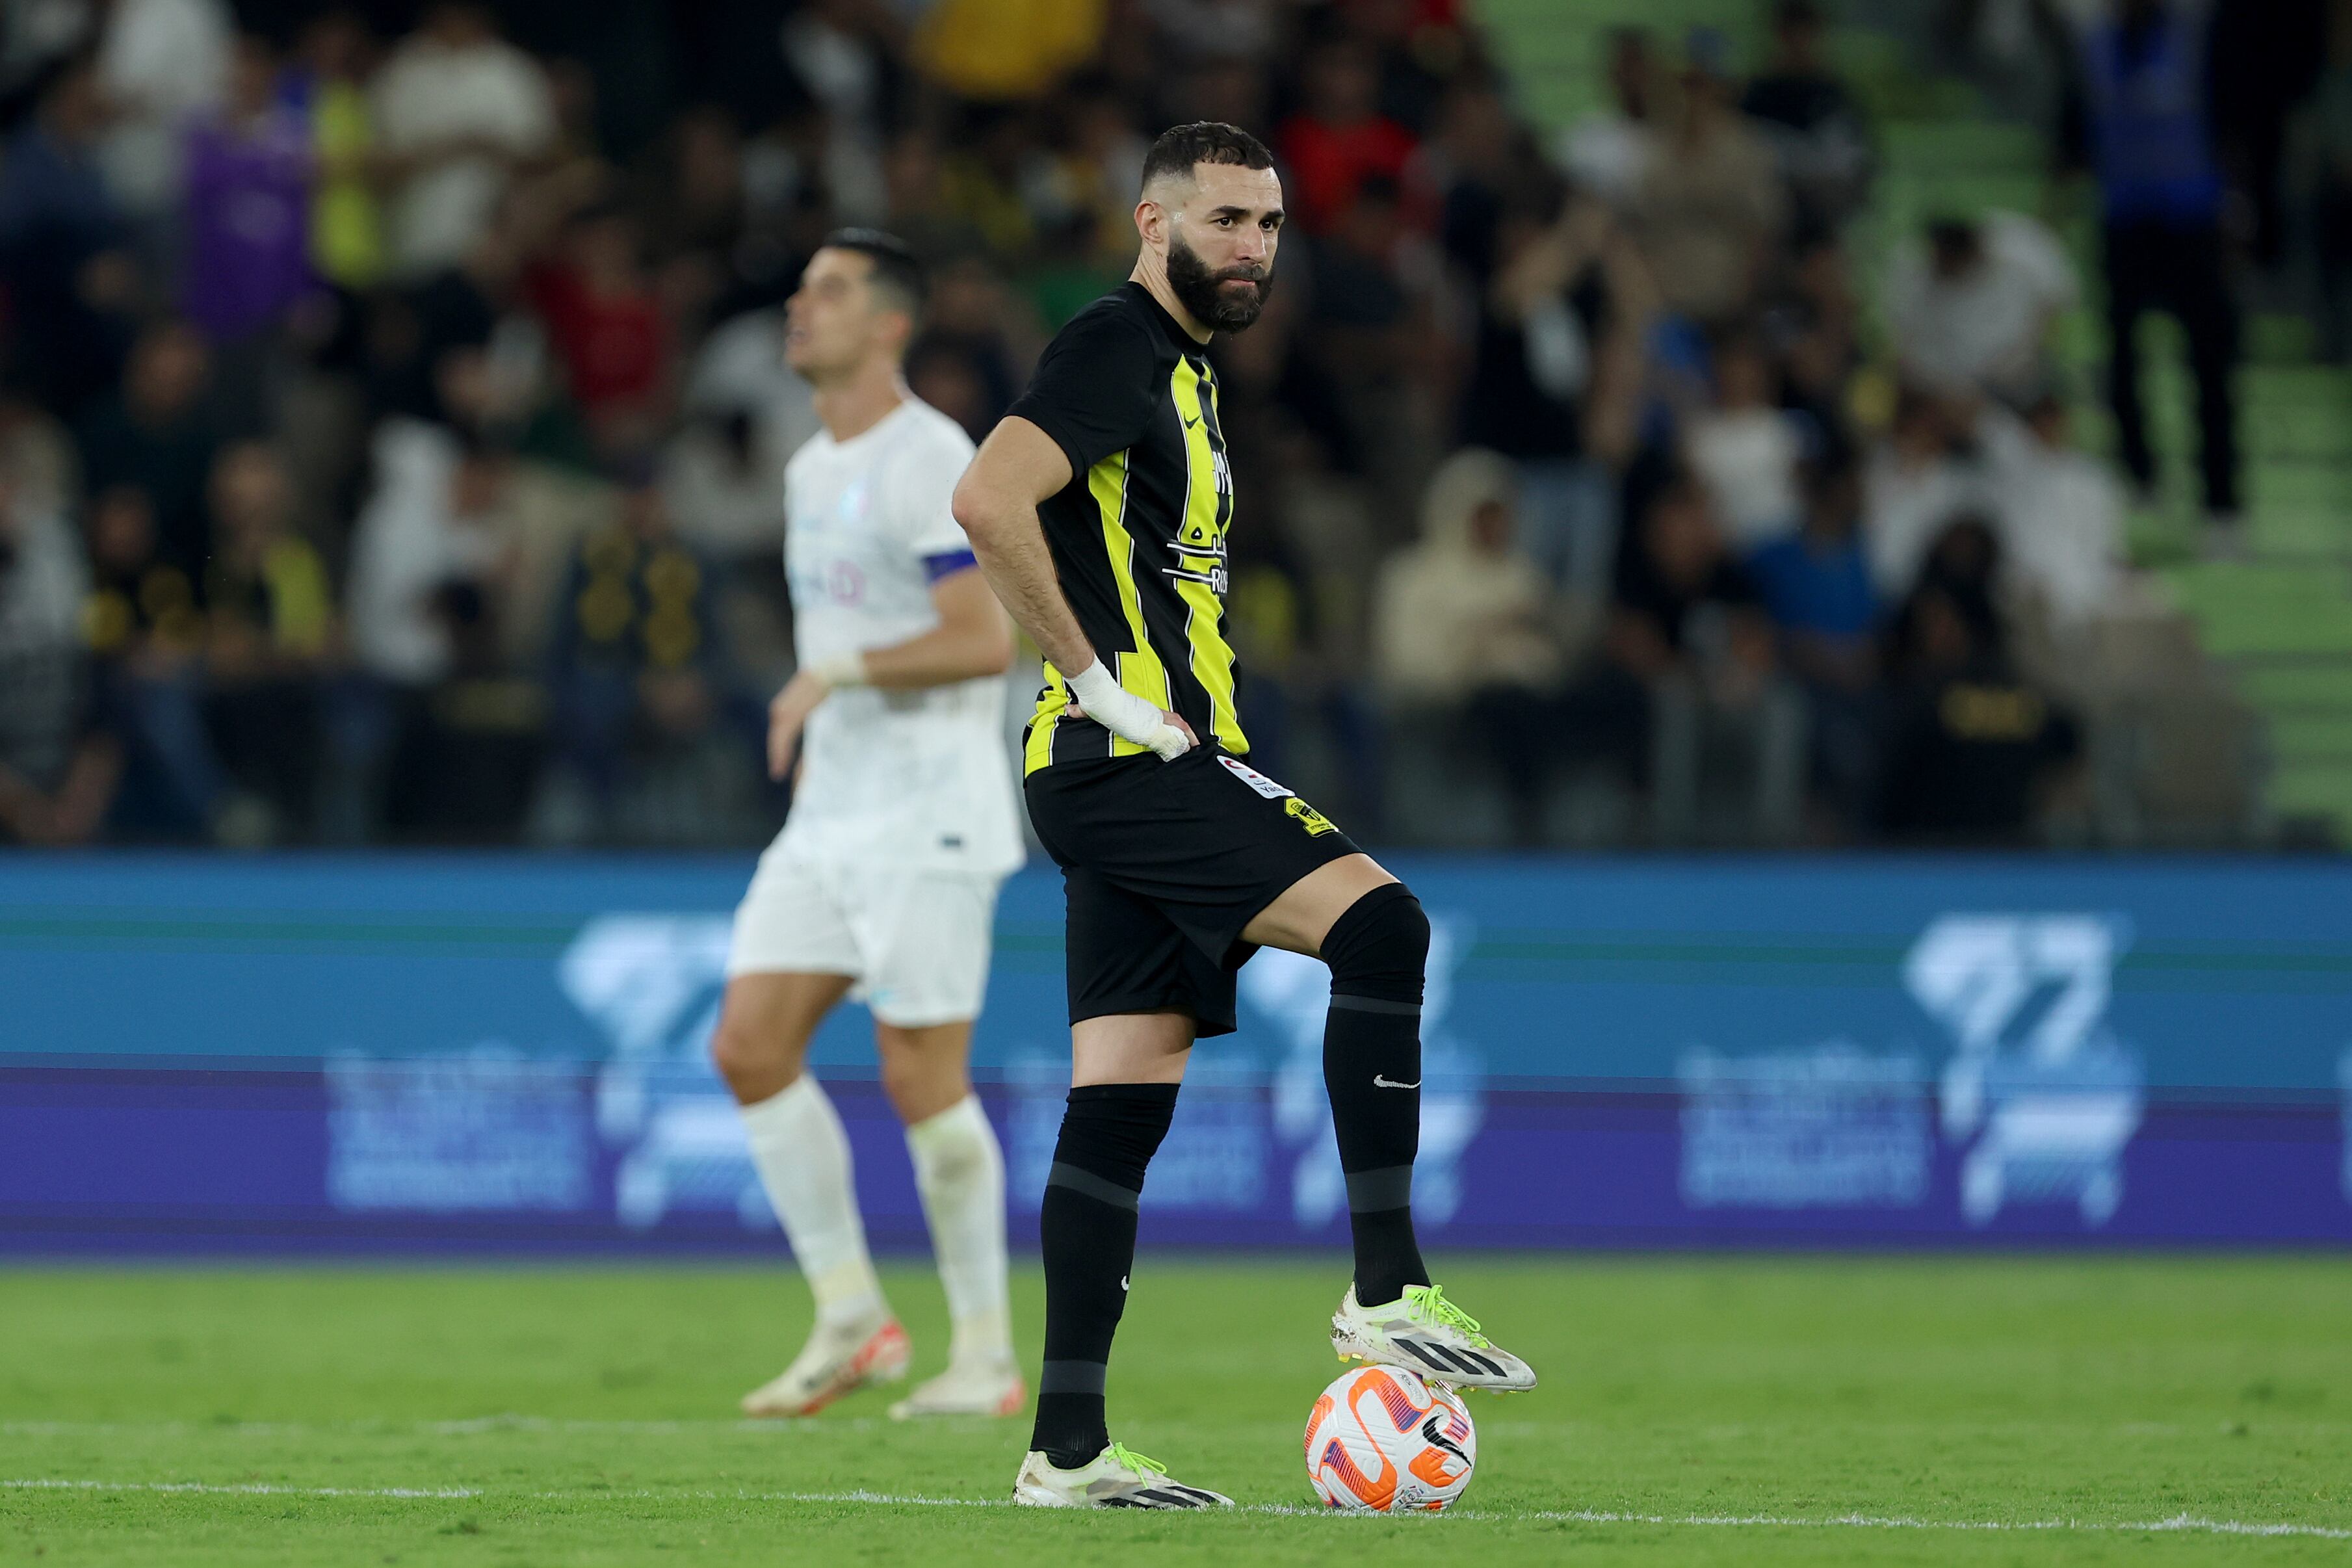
(1139,671)
(1206,513)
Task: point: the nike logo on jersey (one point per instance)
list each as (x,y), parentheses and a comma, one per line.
(1122,1281)
(1380,1082)
(1189,423)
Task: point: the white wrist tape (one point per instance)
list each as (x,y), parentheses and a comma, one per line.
(841,670)
(1126,715)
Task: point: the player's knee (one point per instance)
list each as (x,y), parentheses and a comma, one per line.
(904,1078)
(921,1083)
(1380,947)
(750,1058)
(732,1050)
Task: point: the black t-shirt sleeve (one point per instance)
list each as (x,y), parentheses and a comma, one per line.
(1095,388)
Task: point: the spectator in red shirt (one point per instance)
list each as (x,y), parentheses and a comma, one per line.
(606,326)
(1341,137)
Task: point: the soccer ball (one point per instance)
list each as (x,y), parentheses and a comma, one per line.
(1381,1440)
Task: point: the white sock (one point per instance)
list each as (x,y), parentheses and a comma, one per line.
(803,1155)
(959,1170)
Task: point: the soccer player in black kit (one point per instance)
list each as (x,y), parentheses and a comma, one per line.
(1098,508)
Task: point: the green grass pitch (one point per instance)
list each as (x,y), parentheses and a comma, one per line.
(1692,1411)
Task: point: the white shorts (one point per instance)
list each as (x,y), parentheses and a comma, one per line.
(915,942)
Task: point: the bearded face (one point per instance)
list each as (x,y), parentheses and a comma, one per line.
(1225,300)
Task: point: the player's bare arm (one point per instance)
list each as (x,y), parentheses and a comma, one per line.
(996,505)
(972,640)
(974,637)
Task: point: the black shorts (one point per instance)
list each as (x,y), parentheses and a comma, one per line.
(1164,864)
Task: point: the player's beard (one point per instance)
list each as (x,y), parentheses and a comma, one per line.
(1203,292)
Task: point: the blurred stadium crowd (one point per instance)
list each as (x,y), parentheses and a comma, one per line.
(393,420)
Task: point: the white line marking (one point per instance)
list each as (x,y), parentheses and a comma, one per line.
(466,1428)
(476,1425)
(832,1422)
(883,1497)
(2179,1524)
(241,1489)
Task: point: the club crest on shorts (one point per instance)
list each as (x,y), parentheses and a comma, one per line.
(1314,821)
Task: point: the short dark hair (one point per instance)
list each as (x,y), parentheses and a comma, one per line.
(897,271)
(1182,148)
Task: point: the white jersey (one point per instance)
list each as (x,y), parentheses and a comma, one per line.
(920,778)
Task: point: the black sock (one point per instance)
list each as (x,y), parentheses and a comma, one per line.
(1087,1226)
(1377,952)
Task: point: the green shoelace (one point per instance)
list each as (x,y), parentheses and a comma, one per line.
(1122,1454)
(1427,1304)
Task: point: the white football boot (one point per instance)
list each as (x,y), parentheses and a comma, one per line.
(1423,1331)
(834,1361)
(967,1388)
(1115,1477)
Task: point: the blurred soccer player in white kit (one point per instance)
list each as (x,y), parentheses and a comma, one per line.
(882,883)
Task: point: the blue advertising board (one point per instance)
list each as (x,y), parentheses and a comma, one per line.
(508,1054)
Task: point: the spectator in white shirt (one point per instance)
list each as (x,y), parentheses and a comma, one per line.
(1463,610)
(1914,486)
(161,64)
(837,50)
(1464,627)
(2060,514)
(1746,448)
(1971,309)
(432,524)
(1609,151)
(747,411)
(58,768)
(458,111)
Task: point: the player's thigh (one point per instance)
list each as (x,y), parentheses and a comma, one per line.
(924,939)
(1303,914)
(1131,1048)
(765,1023)
(926,1070)
(790,961)
(1246,863)
(1127,959)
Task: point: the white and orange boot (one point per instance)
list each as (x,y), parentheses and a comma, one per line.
(837,1360)
(973,1386)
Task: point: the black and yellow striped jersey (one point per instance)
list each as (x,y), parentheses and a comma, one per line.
(1139,534)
